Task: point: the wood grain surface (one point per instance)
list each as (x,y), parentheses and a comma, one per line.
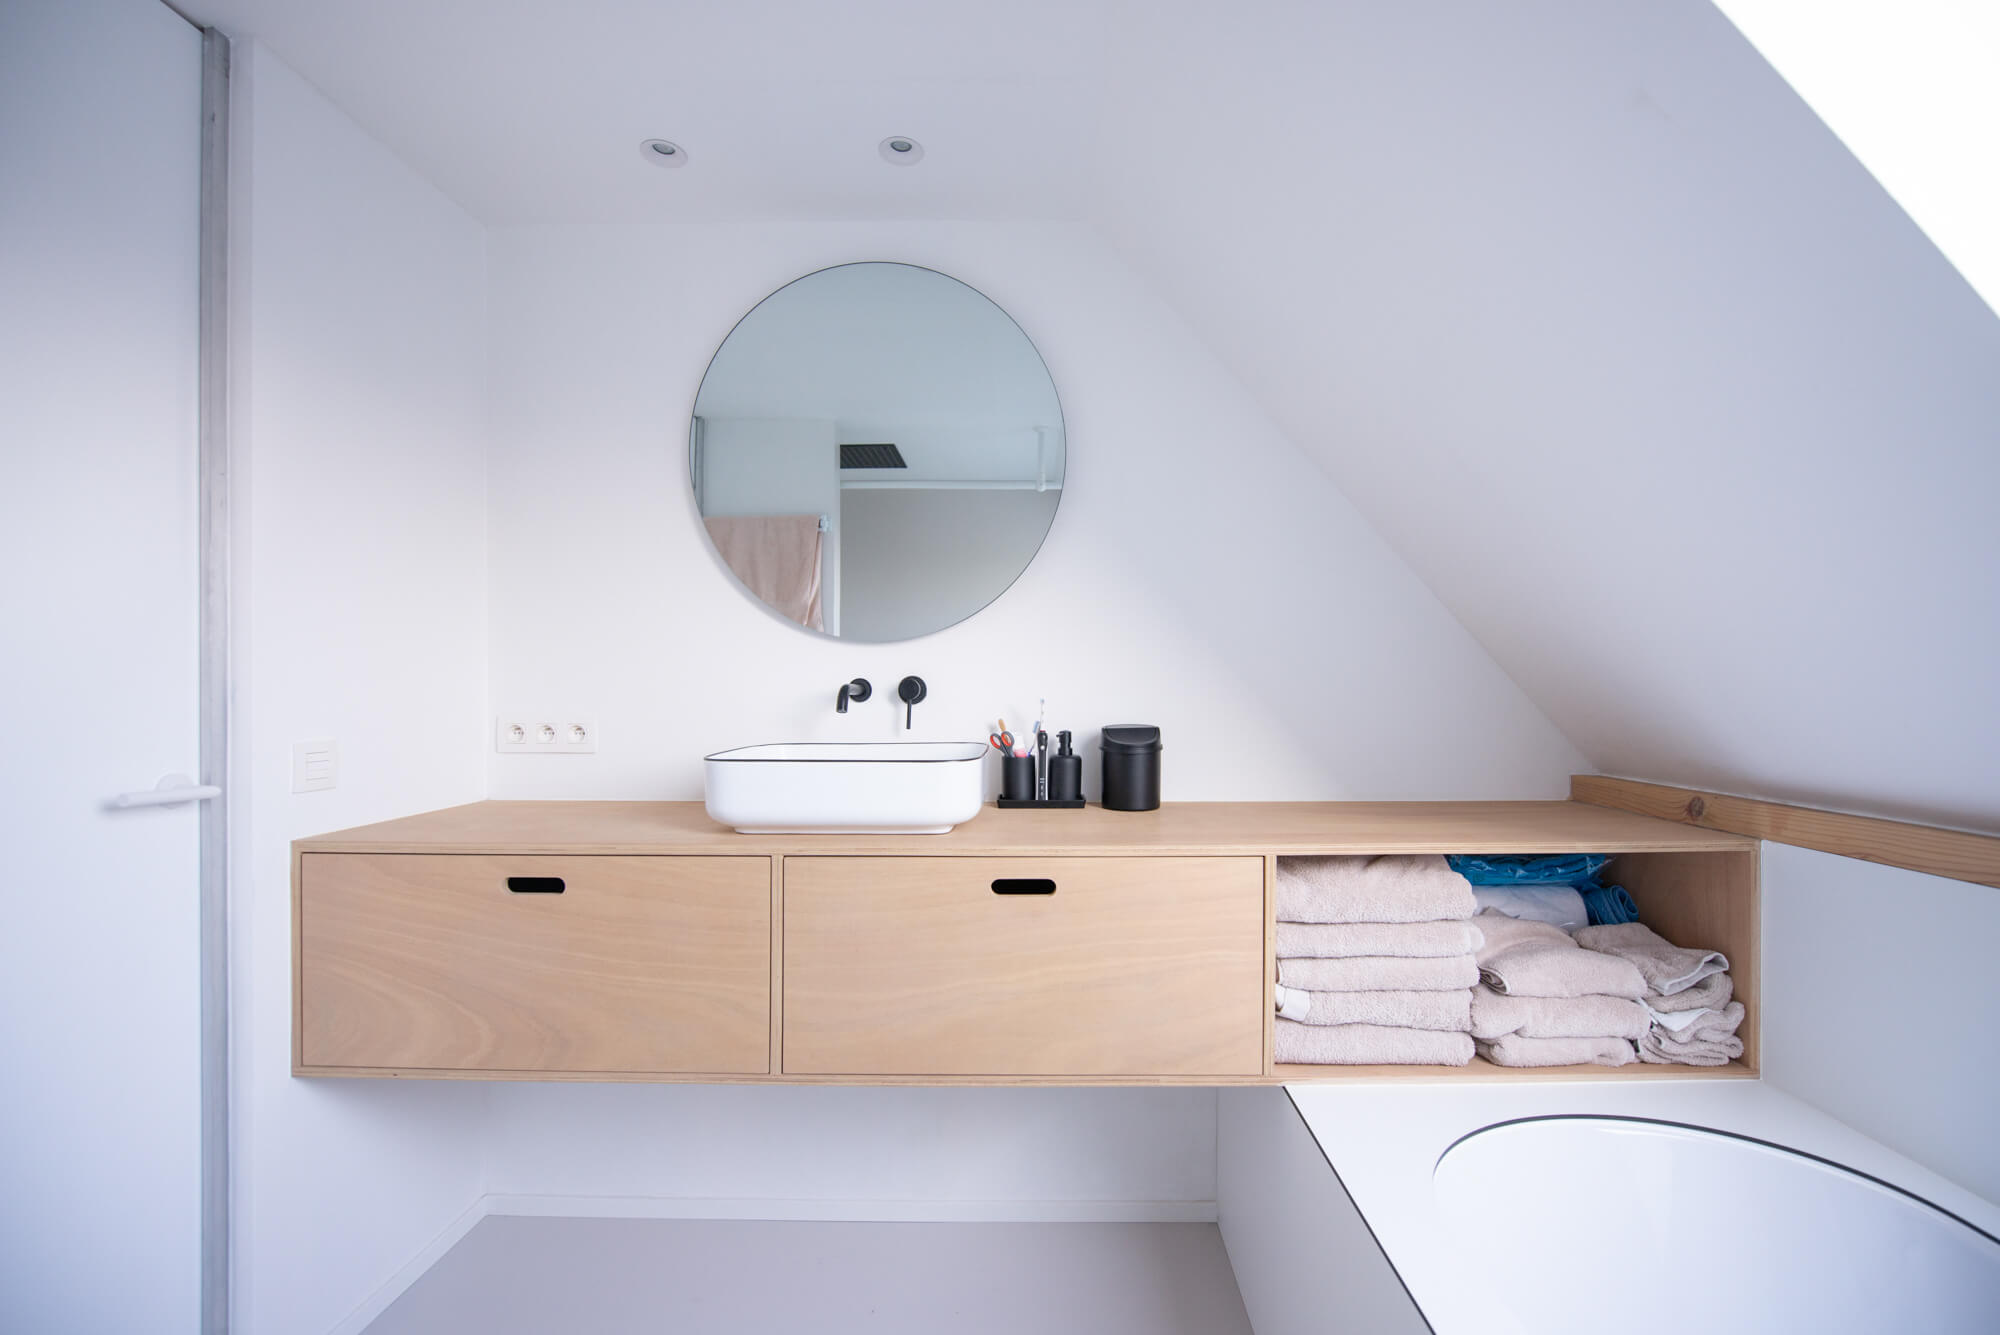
(427,961)
(1132,966)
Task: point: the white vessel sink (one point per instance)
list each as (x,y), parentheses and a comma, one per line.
(846,787)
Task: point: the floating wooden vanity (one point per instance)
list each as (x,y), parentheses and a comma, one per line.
(642,941)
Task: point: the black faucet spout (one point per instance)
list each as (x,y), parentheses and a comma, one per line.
(856,690)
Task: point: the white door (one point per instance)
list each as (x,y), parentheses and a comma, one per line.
(100,105)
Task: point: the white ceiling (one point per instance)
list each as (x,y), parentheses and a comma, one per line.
(527,112)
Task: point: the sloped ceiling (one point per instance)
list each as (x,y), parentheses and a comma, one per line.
(1669,403)
(1643,373)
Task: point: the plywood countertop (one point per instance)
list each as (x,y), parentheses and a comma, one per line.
(1181,828)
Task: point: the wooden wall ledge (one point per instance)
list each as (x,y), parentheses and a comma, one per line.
(1956,854)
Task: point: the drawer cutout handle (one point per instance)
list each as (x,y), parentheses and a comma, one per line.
(535,885)
(1024,885)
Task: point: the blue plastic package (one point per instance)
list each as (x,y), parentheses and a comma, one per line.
(1577,869)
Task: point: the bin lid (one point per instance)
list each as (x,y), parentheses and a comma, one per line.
(1125,738)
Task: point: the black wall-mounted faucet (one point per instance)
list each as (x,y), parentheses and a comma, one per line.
(910,690)
(856,690)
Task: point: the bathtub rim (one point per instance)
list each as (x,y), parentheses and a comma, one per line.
(1796,1153)
(1383,1143)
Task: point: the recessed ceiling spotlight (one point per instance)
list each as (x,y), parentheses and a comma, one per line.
(663,153)
(901,150)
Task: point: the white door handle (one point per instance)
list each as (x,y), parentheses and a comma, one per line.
(173,791)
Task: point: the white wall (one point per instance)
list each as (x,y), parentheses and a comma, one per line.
(1200,574)
(1618,345)
(361,616)
(874,1149)
(1878,1005)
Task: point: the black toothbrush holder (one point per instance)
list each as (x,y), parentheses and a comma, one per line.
(1017,780)
(1053,782)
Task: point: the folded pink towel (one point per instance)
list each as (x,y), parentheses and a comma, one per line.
(1379,973)
(1415,940)
(1514,1050)
(1401,888)
(1666,967)
(1369,1045)
(1523,958)
(1408,1010)
(1495,1014)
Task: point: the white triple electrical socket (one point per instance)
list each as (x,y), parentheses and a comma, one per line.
(548,733)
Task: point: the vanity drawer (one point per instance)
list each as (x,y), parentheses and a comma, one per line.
(1077,966)
(575,964)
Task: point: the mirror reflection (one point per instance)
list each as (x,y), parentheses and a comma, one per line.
(877,451)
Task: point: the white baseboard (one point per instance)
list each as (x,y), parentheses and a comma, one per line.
(891,1211)
(685,1207)
(413,1270)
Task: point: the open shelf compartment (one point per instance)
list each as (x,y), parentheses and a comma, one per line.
(1704,898)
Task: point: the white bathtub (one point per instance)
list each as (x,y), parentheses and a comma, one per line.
(1682,1230)
(1692,1207)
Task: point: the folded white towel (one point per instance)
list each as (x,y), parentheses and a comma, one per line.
(1498,932)
(1694,1038)
(1495,1014)
(1695,1052)
(1369,1045)
(1402,888)
(1408,1010)
(1666,967)
(1293,1003)
(1677,1023)
(1514,1050)
(1558,905)
(1414,940)
(1534,959)
(1711,993)
(1379,973)
(1720,1053)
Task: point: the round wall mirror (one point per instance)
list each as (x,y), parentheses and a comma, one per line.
(877,451)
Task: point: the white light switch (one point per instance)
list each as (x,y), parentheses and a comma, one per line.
(315,765)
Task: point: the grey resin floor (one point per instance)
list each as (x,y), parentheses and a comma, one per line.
(516,1275)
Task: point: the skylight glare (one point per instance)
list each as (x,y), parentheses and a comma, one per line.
(1909,86)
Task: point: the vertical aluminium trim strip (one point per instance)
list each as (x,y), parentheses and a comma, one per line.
(213,470)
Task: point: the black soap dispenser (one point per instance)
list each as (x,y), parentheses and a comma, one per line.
(1065,772)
